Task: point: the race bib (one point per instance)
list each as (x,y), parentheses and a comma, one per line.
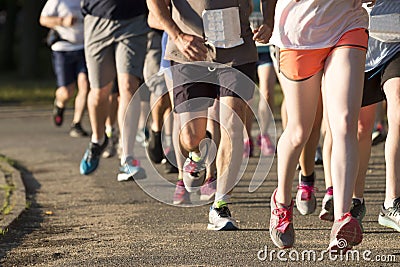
(222,27)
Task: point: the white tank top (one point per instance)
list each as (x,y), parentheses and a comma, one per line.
(313,24)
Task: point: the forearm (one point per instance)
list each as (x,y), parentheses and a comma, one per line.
(268,11)
(160,11)
(51,22)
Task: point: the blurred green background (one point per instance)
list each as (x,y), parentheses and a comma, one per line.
(26,75)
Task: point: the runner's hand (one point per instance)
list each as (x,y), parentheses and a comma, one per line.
(192,47)
(262,34)
(68,21)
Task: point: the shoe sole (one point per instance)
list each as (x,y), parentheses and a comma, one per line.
(74,134)
(229,226)
(206,197)
(327,211)
(181,202)
(108,154)
(351,232)
(388,223)
(277,244)
(123,177)
(326,216)
(195,184)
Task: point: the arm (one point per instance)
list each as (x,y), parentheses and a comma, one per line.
(153,22)
(51,22)
(192,47)
(264,32)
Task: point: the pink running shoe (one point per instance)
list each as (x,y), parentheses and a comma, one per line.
(207,191)
(181,195)
(281,228)
(267,148)
(248,148)
(346,232)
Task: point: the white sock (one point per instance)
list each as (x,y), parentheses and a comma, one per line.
(388,202)
(109,130)
(96,141)
(123,158)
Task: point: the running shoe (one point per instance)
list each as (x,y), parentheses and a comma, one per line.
(346,232)
(111,148)
(77,130)
(91,158)
(248,148)
(181,195)
(207,191)
(391,217)
(142,136)
(194,174)
(378,135)
(220,218)
(169,161)
(154,147)
(266,146)
(327,213)
(306,202)
(281,227)
(358,210)
(318,156)
(58,115)
(131,170)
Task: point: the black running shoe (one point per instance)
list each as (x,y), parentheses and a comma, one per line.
(154,149)
(77,130)
(358,210)
(58,115)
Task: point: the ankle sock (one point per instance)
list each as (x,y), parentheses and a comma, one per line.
(221,198)
(96,141)
(195,156)
(307,180)
(109,130)
(388,202)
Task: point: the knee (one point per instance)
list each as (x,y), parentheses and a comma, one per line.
(97,97)
(365,129)
(298,137)
(344,126)
(190,141)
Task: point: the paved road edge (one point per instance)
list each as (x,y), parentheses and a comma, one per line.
(15,200)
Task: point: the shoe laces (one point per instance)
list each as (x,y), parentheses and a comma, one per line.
(265,140)
(395,210)
(94,151)
(223,211)
(306,191)
(284,218)
(193,168)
